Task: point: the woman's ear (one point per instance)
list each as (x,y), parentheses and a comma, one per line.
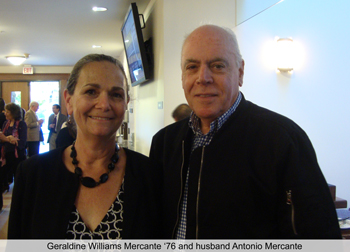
(68,99)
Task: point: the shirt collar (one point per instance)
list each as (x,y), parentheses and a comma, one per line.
(215,125)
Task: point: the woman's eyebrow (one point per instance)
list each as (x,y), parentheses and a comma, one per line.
(95,85)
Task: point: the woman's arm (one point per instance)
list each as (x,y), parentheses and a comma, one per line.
(3,138)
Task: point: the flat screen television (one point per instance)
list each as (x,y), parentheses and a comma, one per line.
(135,50)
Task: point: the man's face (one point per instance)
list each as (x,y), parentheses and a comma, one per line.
(210,76)
(55,110)
(35,108)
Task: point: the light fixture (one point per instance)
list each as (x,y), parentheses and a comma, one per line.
(17,60)
(96,46)
(95,8)
(285,54)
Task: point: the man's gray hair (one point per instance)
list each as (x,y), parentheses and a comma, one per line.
(236,50)
(33,103)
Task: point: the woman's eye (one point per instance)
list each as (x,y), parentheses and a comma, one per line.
(117,95)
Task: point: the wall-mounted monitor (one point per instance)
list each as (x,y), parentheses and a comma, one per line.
(139,64)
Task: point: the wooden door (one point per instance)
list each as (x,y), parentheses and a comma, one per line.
(9,87)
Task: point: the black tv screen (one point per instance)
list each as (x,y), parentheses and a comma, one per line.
(135,47)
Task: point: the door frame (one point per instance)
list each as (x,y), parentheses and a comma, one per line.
(7,87)
(61,78)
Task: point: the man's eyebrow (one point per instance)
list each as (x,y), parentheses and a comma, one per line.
(190,61)
(219,60)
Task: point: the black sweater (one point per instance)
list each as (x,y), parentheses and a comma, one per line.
(45,191)
(258,178)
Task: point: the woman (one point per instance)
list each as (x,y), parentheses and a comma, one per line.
(2,120)
(65,193)
(13,140)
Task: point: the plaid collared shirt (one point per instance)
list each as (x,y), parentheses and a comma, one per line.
(201,140)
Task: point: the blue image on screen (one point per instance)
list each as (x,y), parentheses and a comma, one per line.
(132,49)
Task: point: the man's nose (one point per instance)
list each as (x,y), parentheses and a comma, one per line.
(204,75)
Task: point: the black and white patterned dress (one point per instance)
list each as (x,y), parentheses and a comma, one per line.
(109,228)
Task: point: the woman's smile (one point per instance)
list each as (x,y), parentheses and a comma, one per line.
(101,118)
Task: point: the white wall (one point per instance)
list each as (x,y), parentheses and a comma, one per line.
(316,95)
(246,9)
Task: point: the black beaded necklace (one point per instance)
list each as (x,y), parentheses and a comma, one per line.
(90,182)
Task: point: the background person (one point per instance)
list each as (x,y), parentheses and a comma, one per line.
(55,123)
(235,170)
(23,113)
(2,112)
(92,189)
(34,132)
(181,112)
(13,141)
(67,134)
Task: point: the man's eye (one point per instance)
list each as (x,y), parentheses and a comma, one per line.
(218,66)
(191,67)
(90,92)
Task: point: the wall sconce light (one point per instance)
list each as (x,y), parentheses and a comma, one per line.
(17,60)
(285,54)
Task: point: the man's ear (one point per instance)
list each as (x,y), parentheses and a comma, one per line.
(241,74)
(68,99)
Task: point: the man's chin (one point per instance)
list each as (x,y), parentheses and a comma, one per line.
(207,115)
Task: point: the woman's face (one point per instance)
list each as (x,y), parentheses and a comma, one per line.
(8,115)
(99,100)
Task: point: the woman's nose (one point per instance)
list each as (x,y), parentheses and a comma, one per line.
(103,102)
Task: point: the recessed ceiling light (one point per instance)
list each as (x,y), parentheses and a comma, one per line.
(96,46)
(95,8)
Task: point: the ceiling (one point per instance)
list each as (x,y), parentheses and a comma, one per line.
(60,32)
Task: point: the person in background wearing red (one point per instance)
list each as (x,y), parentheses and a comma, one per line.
(13,141)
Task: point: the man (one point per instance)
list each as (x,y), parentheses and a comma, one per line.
(34,132)
(181,112)
(234,170)
(55,123)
